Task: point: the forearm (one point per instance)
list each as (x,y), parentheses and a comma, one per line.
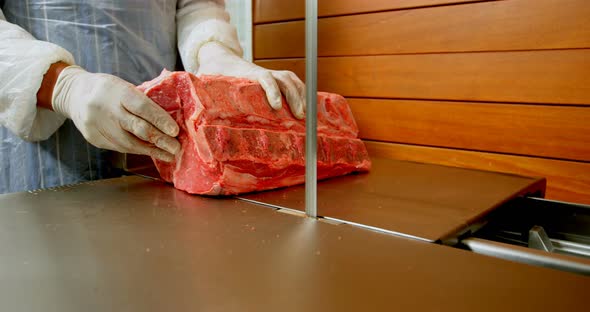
(49,78)
(46,90)
(200,22)
(24,61)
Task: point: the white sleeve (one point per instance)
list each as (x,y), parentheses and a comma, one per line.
(199,22)
(23,62)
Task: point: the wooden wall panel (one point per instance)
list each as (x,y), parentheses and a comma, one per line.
(556,76)
(492,85)
(540,130)
(566,180)
(281,10)
(487,26)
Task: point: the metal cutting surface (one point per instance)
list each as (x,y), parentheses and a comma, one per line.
(135,244)
(424,201)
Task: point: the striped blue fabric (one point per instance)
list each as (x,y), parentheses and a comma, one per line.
(132,39)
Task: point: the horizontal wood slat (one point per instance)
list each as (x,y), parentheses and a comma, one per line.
(549,131)
(281,10)
(555,76)
(566,180)
(487,26)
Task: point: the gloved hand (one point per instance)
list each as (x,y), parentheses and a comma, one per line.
(215,59)
(112,114)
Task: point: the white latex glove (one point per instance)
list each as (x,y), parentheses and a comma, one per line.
(215,59)
(112,114)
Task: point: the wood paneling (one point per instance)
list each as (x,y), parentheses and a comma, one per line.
(281,10)
(540,130)
(487,26)
(566,180)
(555,76)
(491,85)
(291,36)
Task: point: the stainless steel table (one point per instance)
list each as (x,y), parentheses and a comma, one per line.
(423,201)
(134,244)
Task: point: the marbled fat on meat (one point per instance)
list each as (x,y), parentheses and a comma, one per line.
(234,142)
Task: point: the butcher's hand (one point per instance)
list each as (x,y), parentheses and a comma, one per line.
(215,59)
(112,114)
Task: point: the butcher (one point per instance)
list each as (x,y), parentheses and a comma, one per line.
(67,75)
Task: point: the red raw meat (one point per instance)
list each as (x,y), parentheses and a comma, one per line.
(234,142)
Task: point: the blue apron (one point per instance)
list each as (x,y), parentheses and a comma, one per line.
(132,39)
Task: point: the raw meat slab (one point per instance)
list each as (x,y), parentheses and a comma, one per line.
(233,142)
